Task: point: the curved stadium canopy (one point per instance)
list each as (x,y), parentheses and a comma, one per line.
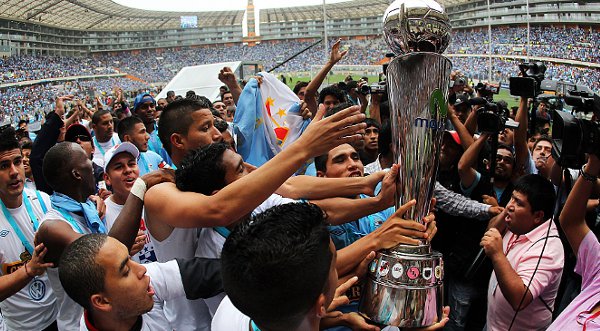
(110,16)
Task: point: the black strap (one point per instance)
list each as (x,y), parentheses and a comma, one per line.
(201,277)
(543,238)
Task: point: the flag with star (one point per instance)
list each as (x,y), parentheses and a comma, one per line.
(267,119)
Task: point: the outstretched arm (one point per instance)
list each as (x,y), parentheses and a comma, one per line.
(572,217)
(342,210)
(520,139)
(310,187)
(311,90)
(466,164)
(187,209)
(227,76)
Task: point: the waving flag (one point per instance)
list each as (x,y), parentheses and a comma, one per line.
(267,119)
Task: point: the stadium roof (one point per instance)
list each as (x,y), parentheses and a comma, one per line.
(340,10)
(106,15)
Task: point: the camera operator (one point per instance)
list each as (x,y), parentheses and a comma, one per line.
(584,311)
(542,111)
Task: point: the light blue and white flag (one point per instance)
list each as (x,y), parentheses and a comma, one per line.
(267,119)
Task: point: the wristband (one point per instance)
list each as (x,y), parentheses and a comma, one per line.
(586,176)
(27,271)
(139,188)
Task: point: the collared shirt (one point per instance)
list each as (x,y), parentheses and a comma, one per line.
(578,311)
(523,253)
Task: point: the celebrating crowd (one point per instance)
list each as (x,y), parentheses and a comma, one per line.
(143,214)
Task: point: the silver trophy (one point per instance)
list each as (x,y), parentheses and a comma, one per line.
(404,286)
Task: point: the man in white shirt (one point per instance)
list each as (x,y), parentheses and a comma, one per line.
(120,172)
(120,294)
(27,300)
(104,135)
(132,129)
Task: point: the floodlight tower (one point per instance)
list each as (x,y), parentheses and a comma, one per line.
(251,39)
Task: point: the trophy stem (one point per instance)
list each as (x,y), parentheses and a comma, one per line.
(404,286)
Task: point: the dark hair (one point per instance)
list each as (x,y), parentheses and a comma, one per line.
(177,118)
(333,91)
(340,106)
(26,144)
(299,86)
(539,191)
(321,162)
(170,93)
(126,125)
(202,170)
(221,124)
(79,274)
(278,261)
(371,122)
(223,95)
(542,138)
(98,114)
(385,138)
(8,139)
(22,121)
(57,164)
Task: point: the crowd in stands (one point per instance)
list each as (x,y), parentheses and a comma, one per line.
(159,66)
(569,44)
(34,101)
(23,68)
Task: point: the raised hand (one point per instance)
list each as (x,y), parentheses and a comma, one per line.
(335,56)
(323,134)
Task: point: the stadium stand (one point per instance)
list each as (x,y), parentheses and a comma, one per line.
(44,41)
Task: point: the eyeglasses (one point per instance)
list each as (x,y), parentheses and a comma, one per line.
(505,159)
(82,137)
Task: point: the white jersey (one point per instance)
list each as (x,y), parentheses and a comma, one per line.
(211,241)
(147,254)
(229,318)
(69,312)
(34,306)
(101,148)
(166,280)
(183,314)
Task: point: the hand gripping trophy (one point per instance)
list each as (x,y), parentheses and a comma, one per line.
(404,286)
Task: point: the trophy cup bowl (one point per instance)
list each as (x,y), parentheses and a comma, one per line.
(404,285)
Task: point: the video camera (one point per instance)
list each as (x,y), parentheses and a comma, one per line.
(572,137)
(376,88)
(492,117)
(487,90)
(529,85)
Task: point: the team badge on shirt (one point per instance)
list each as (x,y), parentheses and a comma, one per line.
(37,290)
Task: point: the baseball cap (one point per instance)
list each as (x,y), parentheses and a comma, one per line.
(141,99)
(120,148)
(461,99)
(77,130)
(453,135)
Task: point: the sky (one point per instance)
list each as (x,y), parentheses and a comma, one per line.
(204,5)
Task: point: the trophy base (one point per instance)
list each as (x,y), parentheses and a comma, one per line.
(404,287)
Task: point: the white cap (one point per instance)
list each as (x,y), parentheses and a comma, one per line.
(120,148)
